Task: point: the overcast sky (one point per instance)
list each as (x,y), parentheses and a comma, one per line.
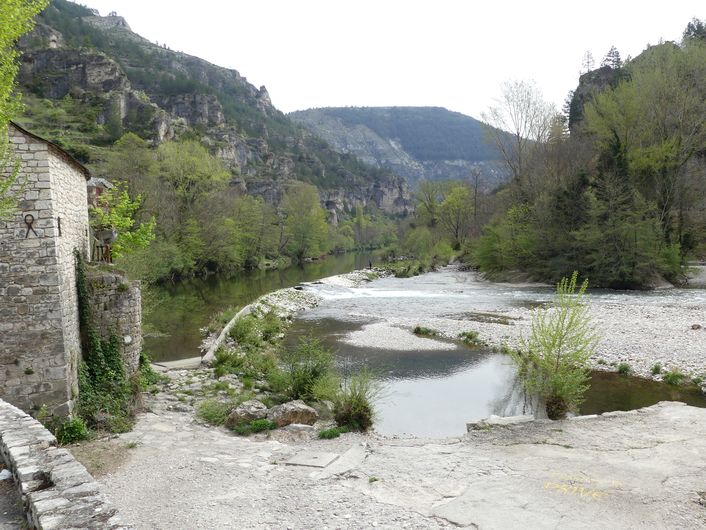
(453,54)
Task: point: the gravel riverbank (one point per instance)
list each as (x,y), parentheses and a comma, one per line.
(641,329)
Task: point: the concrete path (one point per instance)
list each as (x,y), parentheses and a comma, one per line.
(628,470)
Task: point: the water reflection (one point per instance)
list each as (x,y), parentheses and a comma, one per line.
(179,310)
(435,393)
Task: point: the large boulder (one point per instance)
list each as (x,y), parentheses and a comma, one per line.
(247,412)
(292,412)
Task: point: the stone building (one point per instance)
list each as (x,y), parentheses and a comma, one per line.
(40,340)
(40,344)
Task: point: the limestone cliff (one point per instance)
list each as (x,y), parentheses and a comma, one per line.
(161,94)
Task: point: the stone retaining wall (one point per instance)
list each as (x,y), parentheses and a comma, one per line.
(116,307)
(57,491)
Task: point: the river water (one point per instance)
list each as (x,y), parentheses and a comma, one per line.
(179,310)
(433,387)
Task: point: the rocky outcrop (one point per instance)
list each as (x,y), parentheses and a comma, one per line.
(53,73)
(246,412)
(590,84)
(293,412)
(196,109)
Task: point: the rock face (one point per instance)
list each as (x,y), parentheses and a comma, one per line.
(160,95)
(292,412)
(54,72)
(590,84)
(417,143)
(247,412)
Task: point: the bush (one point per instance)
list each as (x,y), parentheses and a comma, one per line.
(425,332)
(624,369)
(271,326)
(72,431)
(147,377)
(471,338)
(307,368)
(353,406)
(656,369)
(673,377)
(244,429)
(249,364)
(214,412)
(246,333)
(553,361)
(335,432)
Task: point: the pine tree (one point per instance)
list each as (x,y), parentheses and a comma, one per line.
(612,59)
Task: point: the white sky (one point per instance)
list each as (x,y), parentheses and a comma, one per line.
(448,53)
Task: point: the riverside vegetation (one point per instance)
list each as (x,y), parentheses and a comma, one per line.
(254,365)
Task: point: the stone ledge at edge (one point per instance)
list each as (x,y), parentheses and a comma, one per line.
(56,490)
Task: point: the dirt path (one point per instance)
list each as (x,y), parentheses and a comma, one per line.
(626,470)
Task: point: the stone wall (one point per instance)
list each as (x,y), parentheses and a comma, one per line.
(38,317)
(70,207)
(56,490)
(116,308)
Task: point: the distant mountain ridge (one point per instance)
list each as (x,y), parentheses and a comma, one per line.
(414,142)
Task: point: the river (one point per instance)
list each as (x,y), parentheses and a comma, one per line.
(178,311)
(433,387)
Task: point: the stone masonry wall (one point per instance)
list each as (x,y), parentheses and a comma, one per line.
(116,307)
(32,365)
(56,490)
(70,208)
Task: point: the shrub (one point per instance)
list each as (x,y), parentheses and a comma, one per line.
(425,332)
(656,369)
(245,332)
(147,377)
(254,426)
(624,369)
(305,367)
(553,361)
(353,406)
(673,377)
(271,326)
(334,432)
(262,425)
(72,431)
(214,412)
(471,338)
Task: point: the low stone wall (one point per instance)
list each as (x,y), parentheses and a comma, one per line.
(57,491)
(116,307)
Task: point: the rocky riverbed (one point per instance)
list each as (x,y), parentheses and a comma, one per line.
(641,329)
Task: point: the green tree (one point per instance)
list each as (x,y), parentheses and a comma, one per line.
(305,227)
(456,215)
(553,360)
(116,211)
(16,19)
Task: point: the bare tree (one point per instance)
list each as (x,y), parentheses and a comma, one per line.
(521,111)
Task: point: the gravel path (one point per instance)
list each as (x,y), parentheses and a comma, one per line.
(626,470)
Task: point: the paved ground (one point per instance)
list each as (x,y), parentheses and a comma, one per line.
(629,470)
(11,515)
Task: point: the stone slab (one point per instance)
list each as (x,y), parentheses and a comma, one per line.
(312,459)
